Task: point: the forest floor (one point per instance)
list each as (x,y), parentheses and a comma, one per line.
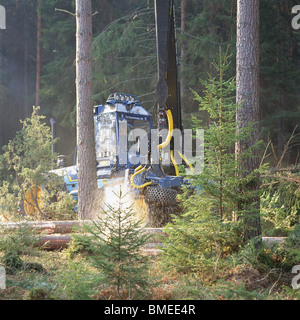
(54,275)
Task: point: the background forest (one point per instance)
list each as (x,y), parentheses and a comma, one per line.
(207,260)
(125,61)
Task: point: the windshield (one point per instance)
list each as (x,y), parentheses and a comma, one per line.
(129,125)
(105,129)
(133,134)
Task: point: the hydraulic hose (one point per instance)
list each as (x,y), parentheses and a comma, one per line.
(186,161)
(136,174)
(138,168)
(174,163)
(170,133)
(168,140)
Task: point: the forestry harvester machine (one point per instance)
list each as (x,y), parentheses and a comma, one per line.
(153,186)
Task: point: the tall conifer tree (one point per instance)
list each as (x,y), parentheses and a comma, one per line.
(247,96)
(86,156)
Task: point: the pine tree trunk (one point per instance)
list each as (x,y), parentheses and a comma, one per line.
(38,55)
(183,53)
(247,96)
(26,108)
(86,156)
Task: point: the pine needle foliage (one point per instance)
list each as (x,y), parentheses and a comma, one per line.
(116,243)
(27,162)
(211,227)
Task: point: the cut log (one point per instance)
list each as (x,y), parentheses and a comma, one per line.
(61,241)
(54,241)
(49,227)
(58,233)
(62,227)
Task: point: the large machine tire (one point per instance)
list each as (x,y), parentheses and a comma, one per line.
(160,197)
(161,203)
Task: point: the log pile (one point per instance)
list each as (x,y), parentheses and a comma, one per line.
(56,235)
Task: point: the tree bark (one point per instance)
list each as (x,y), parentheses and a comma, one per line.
(183,52)
(86,155)
(54,242)
(26,109)
(247,97)
(38,55)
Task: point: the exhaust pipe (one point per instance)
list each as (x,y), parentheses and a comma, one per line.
(53,131)
(61,159)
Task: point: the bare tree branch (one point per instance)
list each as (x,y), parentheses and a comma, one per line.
(66,11)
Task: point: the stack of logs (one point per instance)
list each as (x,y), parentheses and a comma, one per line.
(56,235)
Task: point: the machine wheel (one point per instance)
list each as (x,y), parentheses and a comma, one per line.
(160,197)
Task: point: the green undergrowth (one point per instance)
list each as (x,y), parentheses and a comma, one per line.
(263,273)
